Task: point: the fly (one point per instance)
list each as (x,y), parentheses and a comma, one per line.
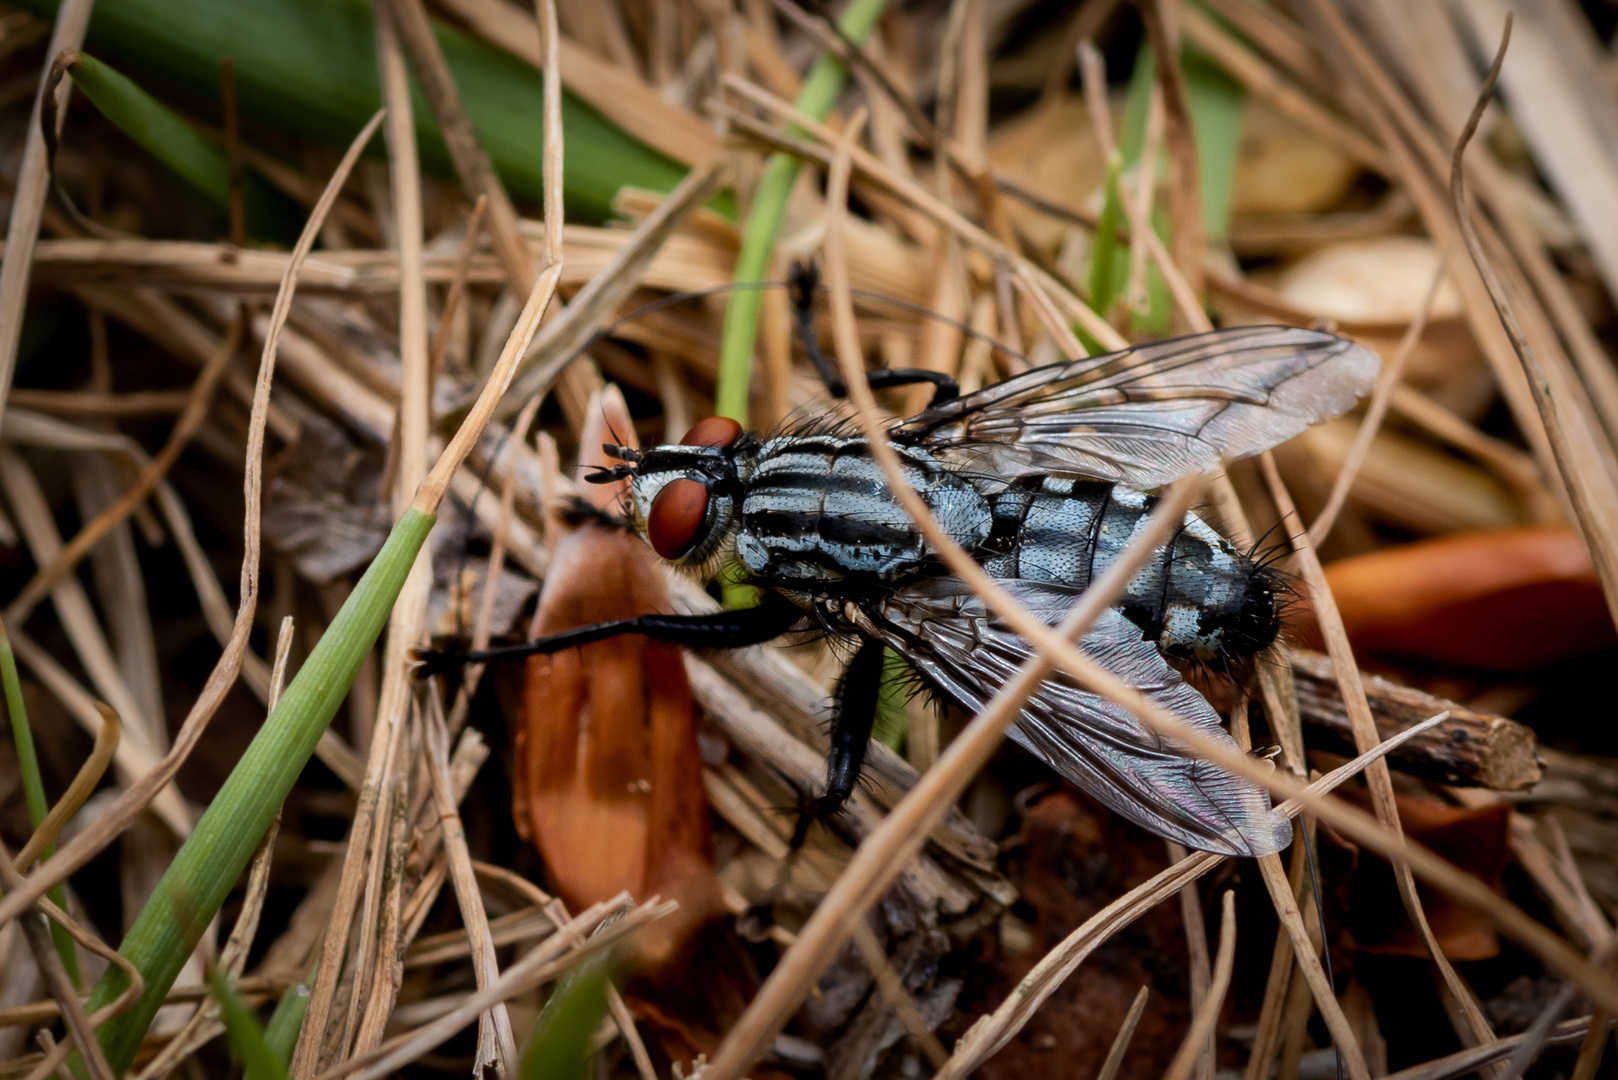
(1044,477)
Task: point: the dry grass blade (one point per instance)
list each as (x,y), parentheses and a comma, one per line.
(912,193)
(491,579)
(196,410)
(477,174)
(32,189)
(1196,1043)
(1463,1062)
(1363,725)
(1597,514)
(897,839)
(83,785)
(556,955)
(56,977)
(82,848)
(457,291)
(1196,943)
(561,339)
(466,889)
(1120,1042)
(132,761)
(1265,82)
(890,986)
(74,403)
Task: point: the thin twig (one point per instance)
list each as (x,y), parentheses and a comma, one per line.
(1197,1043)
(32,189)
(466,889)
(1120,1042)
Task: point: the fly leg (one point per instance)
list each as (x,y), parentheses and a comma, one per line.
(851,734)
(711,630)
(805,279)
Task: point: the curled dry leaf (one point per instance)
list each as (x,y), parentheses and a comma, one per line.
(1473,839)
(608,777)
(1502,599)
(1376,286)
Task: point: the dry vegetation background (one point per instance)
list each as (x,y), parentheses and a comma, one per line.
(507,829)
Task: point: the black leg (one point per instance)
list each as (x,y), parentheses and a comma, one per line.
(714,630)
(805,279)
(856,712)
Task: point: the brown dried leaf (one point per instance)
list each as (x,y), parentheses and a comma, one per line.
(1474,840)
(1502,599)
(609,778)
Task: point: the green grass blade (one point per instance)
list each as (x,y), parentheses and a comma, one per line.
(33,787)
(559,1048)
(819,92)
(219,848)
(308,68)
(246,1038)
(157,129)
(891,725)
(163,134)
(281,1033)
(1104,277)
(1218,106)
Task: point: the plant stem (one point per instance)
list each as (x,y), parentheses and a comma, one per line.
(820,90)
(33,786)
(218,850)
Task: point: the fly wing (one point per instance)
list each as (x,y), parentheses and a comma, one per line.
(950,636)
(1149,415)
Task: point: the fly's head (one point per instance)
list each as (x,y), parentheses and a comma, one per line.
(685,497)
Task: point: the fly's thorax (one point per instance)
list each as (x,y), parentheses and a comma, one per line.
(818,511)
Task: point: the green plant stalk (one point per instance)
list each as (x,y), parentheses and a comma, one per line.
(1104,252)
(1217,106)
(308,68)
(163,134)
(559,1048)
(33,787)
(819,92)
(281,1033)
(890,725)
(241,1029)
(220,847)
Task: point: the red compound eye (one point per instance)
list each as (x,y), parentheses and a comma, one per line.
(718,431)
(677,514)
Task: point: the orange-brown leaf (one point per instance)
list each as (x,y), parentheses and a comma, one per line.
(1504,600)
(1474,840)
(608,775)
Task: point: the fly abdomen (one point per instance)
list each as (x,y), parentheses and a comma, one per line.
(1197,598)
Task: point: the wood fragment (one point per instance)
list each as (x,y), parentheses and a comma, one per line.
(1468,749)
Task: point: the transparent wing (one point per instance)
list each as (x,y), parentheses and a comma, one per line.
(1151,414)
(948,634)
